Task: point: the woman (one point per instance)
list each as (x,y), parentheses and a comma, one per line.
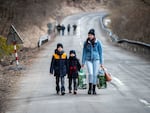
(92,56)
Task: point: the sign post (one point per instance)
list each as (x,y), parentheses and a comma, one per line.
(16,54)
(14,38)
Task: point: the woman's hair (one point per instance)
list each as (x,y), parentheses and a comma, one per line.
(88,41)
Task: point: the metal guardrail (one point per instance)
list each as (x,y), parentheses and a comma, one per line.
(133,42)
(47,37)
(43,39)
(116,39)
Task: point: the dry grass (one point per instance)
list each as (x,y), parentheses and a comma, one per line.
(130,19)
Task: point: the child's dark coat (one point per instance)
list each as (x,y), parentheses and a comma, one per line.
(59,63)
(74,67)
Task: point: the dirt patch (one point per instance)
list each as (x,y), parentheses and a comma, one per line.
(8,79)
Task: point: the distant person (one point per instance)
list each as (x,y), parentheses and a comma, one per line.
(68,29)
(59,66)
(55,30)
(74,67)
(63,29)
(92,56)
(74,28)
(58,28)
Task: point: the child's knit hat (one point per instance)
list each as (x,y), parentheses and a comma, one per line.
(59,45)
(73,51)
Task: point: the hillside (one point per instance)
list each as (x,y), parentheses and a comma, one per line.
(130,19)
(30,17)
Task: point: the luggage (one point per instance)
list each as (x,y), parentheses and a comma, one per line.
(82,79)
(101,80)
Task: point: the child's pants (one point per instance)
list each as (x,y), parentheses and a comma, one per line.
(74,80)
(62,83)
(93,67)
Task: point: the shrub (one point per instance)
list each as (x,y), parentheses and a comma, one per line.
(5,49)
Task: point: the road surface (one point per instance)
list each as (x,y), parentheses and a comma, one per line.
(129,91)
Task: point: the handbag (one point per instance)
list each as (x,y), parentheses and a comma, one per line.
(108,76)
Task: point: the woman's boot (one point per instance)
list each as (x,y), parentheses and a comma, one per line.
(90,88)
(94,89)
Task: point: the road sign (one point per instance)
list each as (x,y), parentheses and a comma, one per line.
(13,36)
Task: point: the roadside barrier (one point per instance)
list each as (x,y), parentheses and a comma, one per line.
(116,39)
(132,45)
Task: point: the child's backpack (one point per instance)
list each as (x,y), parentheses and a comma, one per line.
(82,83)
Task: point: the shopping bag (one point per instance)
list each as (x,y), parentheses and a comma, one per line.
(101,80)
(107,75)
(82,83)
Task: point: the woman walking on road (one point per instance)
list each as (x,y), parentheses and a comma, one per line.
(92,56)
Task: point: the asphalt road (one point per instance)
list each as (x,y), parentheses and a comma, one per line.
(128,92)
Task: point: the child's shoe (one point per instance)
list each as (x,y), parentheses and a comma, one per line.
(62,93)
(75,92)
(70,91)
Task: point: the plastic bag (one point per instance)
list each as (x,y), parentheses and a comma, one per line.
(82,83)
(101,79)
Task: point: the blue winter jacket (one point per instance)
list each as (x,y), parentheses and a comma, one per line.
(91,52)
(59,64)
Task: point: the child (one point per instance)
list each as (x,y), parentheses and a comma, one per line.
(74,67)
(59,66)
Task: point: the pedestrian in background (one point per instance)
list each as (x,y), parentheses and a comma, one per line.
(74,28)
(59,67)
(58,28)
(74,67)
(68,29)
(92,56)
(63,29)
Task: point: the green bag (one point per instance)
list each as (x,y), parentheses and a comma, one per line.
(101,80)
(82,79)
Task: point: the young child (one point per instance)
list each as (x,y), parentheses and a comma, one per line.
(74,67)
(59,66)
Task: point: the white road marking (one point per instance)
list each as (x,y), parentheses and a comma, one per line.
(79,28)
(145,102)
(119,81)
(80,43)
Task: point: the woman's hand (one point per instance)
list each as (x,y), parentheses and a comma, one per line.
(101,66)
